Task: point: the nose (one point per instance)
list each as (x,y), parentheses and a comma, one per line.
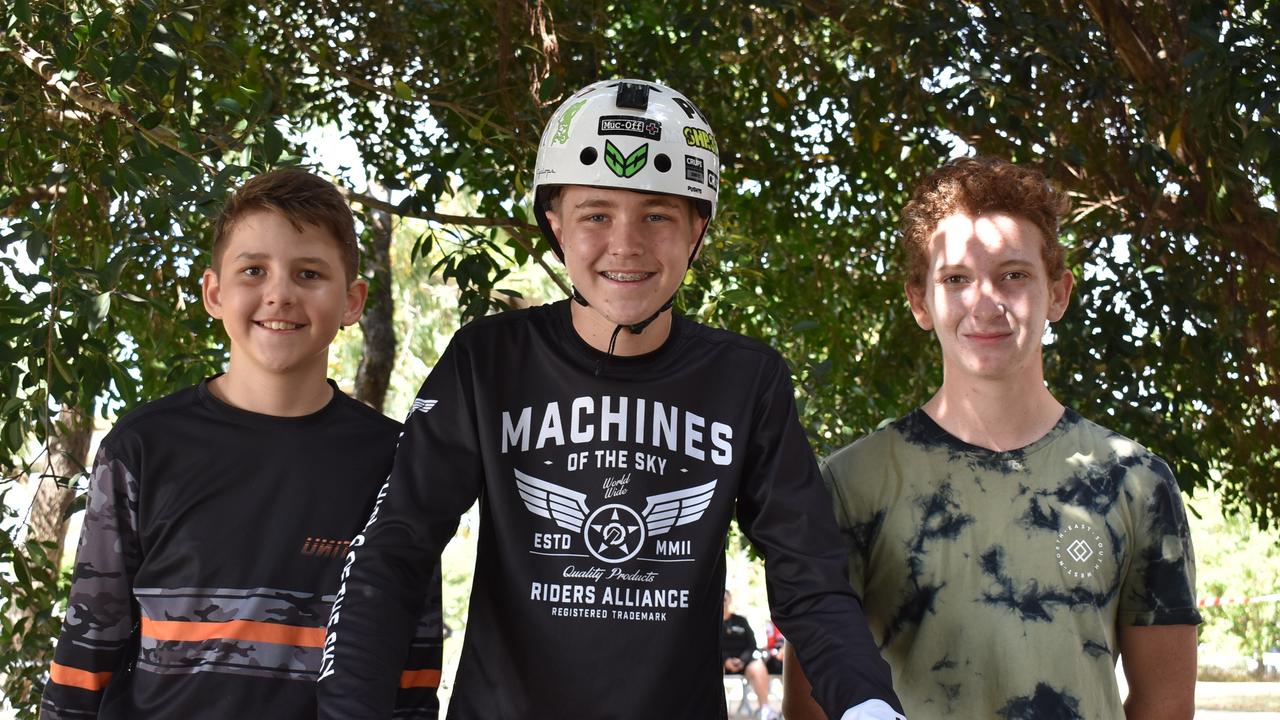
(988,303)
(279,290)
(626,240)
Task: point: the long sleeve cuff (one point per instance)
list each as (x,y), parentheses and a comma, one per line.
(872,710)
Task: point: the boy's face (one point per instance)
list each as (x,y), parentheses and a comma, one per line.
(987,296)
(625,251)
(281,294)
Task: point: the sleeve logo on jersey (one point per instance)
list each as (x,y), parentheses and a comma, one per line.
(420,405)
(613,533)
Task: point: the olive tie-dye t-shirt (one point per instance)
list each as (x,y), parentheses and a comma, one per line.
(995,582)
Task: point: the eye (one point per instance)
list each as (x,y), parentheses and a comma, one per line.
(596,218)
(309,275)
(1016,275)
(657,217)
(954,280)
(253,271)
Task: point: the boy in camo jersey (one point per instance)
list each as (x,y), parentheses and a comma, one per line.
(1006,549)
(219,516)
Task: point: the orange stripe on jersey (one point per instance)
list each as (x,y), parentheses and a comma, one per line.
(248,630)
(420,678)
(75,677)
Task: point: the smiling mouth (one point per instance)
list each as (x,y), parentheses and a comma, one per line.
(277,324)
(627,276)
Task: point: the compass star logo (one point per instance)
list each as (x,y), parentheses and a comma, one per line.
(613,533)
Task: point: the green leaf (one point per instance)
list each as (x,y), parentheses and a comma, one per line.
(60,365)
(101,309)
(403,91)
(230,105)
(165,50)
(272,143)
(122,67)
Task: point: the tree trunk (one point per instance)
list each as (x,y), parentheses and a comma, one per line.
(68,457)
(379,356)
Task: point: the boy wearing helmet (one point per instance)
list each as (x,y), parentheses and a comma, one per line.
(609,442)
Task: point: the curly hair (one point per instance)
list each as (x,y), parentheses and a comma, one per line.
(304,199)
(979,185)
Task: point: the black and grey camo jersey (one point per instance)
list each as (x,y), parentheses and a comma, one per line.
(606,487)
(210,557)
(995,582)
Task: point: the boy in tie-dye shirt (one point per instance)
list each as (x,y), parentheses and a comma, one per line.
(1007,550)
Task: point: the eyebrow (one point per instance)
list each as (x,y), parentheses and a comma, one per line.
(589,203)
(266,256)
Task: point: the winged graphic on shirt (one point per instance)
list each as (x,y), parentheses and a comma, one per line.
(613,533)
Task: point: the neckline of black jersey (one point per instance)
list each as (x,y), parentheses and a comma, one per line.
(937,433)
(583,349)
(262,420)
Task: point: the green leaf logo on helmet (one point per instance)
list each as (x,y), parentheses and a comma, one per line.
(562,128)
(625,167)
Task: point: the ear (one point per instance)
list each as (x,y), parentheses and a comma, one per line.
(699,233)
(357,293)
(915,296)
(1060,295)
(553,219)
(211,294)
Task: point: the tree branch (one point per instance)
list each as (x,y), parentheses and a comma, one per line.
(95,103)
(519,230)
(419,95)
(1133,54)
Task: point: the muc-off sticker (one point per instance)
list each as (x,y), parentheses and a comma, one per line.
(632,126)
(712,180)
(693,168)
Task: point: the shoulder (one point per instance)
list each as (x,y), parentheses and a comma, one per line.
(711,339)
(365,416)
(1103,445)
(502,325)
(155,416)
(870,449)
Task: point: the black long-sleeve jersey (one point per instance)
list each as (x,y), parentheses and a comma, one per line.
(606,487)
(209,560)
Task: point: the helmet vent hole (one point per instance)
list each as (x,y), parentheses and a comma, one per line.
(588,155)
(662,162)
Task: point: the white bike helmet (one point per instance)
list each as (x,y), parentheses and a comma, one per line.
(629,135)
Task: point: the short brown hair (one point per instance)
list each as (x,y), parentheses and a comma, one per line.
(974,186)
(304,199)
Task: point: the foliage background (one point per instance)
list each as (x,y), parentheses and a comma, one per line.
(123,123)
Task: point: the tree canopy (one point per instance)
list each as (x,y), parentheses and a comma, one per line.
(123,123)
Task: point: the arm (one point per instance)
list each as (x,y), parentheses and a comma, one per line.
(97,633)
(786,513)
(797,700)
(420,676)
(1160,667)
(436,476)
(1157,614)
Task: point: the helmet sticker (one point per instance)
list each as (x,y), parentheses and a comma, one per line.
(627,125)
(562,128)
(693,168)
(661,162)
(628,166)
(690,110)
(699,138)
(711,180)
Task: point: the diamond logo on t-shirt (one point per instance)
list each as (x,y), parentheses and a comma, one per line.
(1079,550)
